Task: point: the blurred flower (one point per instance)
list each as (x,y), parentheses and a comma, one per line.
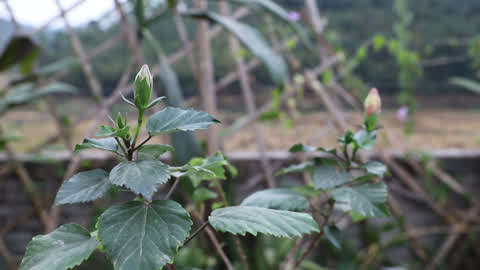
(294,16)
(402,114)
(373,103)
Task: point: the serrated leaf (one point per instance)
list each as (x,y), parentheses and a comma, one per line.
(153,151)
(329,176)
(108,144)
(363,199)
(172,119)
(277,198)
(375,167)
(142,176)
(253,220)
(252,39)
(296,168)
(84,187)
(138,235)
(61,249)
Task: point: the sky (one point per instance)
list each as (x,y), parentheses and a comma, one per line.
(37,12)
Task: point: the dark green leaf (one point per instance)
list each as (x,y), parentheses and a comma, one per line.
(330,233)
(299,147)
(329,176)
(277,198)
(153,151)
(142,176)
(16,51)
(84,187)
(62,249)
(172,119)
(249,219)
(108,144)
(252,39)
(363,199)
(138,235)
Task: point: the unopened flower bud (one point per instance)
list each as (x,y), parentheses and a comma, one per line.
(143,88)
(372,103)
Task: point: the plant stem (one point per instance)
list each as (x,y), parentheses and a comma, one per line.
(121,146)
(142,143)
(172,189)
(137,129)
(203,226)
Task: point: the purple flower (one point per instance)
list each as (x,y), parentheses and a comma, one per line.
(294,16)
(402,114)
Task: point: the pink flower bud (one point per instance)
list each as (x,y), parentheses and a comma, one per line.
(373,103)
(402,114)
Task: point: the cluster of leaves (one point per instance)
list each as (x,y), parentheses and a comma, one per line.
(146,233)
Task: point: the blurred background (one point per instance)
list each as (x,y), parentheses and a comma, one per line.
(298,75)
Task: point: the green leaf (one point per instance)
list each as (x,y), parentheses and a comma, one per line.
(203,194)
(26,93)
(142,176)
(466,83)
(172,119)
(200,169)
(277,198)
(329,176)
(138,235)
(330,233)
(299,147)
(61,249)
(375,167)
(153,151)
(61,65)
(108,144)
(252,39)
(281,13)
(280,223)
(18,49)
(109,131)
(365,139)
(302,167)
(84,187)
(363,199)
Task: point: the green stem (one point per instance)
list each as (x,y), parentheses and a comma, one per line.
(137,129)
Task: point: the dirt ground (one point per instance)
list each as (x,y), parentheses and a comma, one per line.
(434,129)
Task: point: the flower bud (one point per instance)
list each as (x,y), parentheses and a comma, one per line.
(143,88)
(372,103)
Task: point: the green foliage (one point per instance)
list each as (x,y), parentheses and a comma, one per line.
(277,198)
(254,220)
(170,120)
(363,199)
(467,84)
(145,233)
(142,177)
(61,249)
(84,187)
(139,235)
